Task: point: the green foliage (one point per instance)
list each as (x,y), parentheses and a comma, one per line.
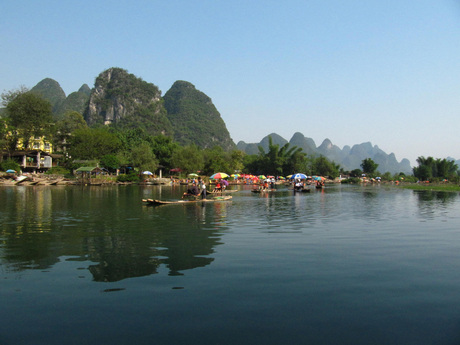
(9,164)
(131,177)
(164,147)
(93,143)
(195,118)
(30,115)
(356,173)
(64,128)
(431,169)
(51,91)
(188,158)
(110,162)
(142,157)
(75,102)
(58,171)
(323,167)
(278,161)
(216,160)
(142,107)
(369,166)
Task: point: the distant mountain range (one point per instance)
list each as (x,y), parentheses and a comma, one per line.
(348,157)
(188,115)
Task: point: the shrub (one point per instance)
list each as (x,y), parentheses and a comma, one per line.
(58,171)
(131,177)
(10,164)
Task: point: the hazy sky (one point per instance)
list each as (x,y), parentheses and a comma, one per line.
(385,72)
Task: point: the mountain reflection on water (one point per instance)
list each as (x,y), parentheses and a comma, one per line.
(106,226)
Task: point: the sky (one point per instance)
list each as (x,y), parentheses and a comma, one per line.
(385,72)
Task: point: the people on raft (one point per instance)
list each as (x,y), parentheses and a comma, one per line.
(298,186)
(218,187)
(192,191)
(202,185)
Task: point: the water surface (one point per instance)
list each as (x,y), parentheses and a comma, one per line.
(346,265)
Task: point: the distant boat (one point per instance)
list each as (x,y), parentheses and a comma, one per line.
(184,202)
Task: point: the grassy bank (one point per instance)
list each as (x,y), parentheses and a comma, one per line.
(444,187)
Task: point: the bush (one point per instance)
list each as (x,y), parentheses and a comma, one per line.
(351,180)
(58,171)
(131,177)
(10,164)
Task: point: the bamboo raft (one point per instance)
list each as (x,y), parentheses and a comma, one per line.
(185,202)
(263,190)
(222,192)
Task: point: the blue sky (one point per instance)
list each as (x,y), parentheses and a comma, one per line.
(385,72)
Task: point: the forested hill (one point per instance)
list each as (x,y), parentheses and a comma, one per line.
(195,118)
(52,91)
(123,100)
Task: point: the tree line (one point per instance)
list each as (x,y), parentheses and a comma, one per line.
(27,115)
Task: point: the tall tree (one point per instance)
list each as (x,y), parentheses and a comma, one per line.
(93,143)
(144,158)
(188,158)
(369,166)
(30,115)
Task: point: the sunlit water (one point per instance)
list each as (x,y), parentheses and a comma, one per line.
(346,265)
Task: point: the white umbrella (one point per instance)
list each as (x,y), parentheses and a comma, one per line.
(147,173)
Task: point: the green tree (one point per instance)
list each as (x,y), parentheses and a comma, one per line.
(369,166)
(356,173)
(110,162)
(9,164)
(143,157)
(323,167)
(277,161)
(70,122)
(236,160)
(30,115)
(430,168)
(164,147)
(93,143)
(188,158)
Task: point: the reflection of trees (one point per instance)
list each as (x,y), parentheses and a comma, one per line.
(41,225)
(431,202)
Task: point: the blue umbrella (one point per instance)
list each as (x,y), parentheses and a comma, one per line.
(11,171)
(298,176)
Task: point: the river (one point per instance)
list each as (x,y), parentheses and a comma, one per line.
(345,265)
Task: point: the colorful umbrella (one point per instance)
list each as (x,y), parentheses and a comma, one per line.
(318,178)
(147,172)
(218,176)
(262,177)
(11,171)
(298,176)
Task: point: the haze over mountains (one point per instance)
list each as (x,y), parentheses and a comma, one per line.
(188,115)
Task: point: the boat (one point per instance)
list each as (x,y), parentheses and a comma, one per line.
(223,192)
(263,190)
(184,202)
(301,190)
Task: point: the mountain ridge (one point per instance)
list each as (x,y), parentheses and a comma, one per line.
(349,158)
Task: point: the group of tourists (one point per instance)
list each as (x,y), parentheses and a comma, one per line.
(267,183)
(196,189)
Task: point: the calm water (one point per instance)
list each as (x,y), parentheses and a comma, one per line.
(347,265)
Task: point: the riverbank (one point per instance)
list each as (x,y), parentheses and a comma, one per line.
(437,187)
